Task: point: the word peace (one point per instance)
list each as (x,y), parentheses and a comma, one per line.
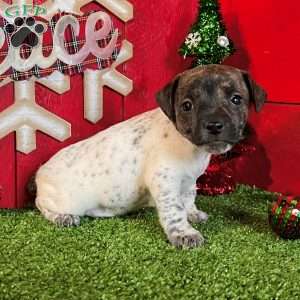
(92,35)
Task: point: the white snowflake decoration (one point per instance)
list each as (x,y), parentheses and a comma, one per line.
(25,116)
(193,40)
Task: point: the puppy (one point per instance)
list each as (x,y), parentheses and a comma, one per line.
(154,158)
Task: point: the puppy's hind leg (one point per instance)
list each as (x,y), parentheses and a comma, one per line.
(64,220)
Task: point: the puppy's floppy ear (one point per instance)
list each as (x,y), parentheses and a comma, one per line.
(166,98)
(257,93)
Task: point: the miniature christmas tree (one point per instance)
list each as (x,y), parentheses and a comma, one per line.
(208,42)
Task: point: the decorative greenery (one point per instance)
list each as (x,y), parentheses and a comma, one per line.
(208,42)
(129,257)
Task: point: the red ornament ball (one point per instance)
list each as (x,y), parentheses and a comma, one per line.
(284,217)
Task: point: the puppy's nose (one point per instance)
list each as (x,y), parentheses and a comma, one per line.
(214,127)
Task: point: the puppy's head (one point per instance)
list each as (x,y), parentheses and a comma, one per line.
(209,105)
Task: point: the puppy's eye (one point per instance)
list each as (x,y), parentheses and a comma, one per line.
(236,99)
(187,106)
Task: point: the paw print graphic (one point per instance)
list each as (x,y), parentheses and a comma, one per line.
(25,31)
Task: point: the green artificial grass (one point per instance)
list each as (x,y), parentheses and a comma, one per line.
(129,257)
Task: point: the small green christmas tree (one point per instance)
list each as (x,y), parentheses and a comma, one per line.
(208,42)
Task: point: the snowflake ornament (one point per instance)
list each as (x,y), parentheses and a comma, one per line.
(193,40)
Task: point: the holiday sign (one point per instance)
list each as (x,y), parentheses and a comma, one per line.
(46,44)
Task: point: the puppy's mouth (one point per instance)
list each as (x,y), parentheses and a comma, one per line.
(218,147)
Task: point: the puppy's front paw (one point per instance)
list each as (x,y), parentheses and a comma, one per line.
(197,216)
(186,239)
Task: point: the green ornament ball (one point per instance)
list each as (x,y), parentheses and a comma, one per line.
(284,217)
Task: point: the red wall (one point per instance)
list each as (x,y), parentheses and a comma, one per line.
(266,36)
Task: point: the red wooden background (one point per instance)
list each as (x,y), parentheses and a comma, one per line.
(266,36)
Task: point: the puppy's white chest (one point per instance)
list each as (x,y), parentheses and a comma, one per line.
(197,166)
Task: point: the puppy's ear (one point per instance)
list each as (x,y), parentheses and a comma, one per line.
(257,93)
(166,98)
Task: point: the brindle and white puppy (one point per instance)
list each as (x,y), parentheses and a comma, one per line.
(154,158)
